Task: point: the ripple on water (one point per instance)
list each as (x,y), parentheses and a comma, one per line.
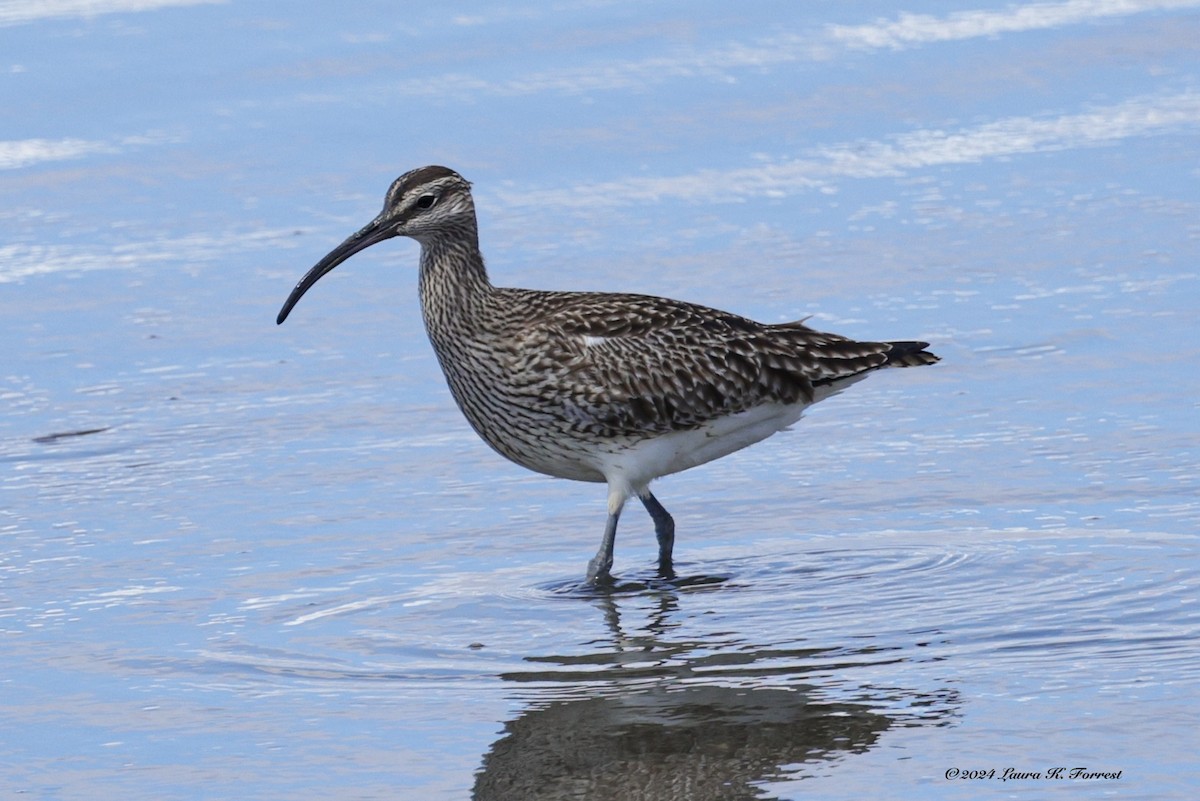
(991,600)
(883,624)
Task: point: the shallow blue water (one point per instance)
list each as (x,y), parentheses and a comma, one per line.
(245,561)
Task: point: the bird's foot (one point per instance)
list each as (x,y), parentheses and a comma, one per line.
(666,568)
(598,570)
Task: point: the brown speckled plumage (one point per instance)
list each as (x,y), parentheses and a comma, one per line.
(594,386)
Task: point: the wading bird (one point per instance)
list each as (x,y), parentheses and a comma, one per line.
(598,386)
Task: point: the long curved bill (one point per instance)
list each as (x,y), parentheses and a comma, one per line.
(374,232)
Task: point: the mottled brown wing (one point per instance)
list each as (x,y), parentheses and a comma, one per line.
(635,364)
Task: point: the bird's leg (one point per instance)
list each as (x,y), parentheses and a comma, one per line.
(664,529)
(602,562)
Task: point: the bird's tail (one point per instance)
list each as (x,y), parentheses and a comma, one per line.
(909,354)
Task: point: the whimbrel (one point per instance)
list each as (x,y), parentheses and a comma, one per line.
(597,386)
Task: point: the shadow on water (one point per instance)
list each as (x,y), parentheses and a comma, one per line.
(615,587)
(650,714)
(60,446)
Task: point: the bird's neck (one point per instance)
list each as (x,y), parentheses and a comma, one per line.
(454,283)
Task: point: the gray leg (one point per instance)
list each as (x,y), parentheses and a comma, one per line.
(602,562)
(664,529)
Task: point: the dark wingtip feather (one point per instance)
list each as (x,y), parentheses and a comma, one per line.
(910,354)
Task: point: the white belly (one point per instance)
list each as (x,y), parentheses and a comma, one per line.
(637,464)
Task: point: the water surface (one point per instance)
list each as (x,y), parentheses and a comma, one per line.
(242,561)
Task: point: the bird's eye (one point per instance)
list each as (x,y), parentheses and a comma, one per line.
(426,201)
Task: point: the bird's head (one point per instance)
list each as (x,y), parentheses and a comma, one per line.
(426,204)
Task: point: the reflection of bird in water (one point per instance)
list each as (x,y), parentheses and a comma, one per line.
(602,387)
(657,714)
(681,743)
